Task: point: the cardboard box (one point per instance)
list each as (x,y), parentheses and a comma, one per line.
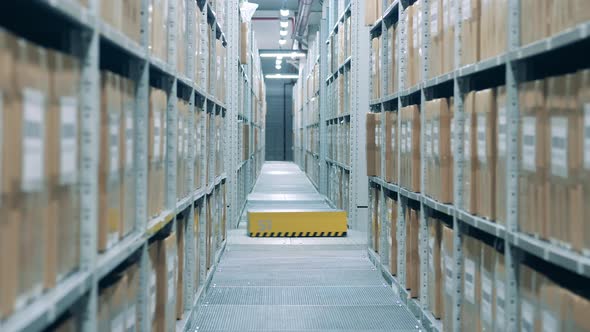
(244,34)
(9,219)
(530,283)
(488,287)
(392,215)
(376,218)
(159,29)
(436,54)
(470,309)
(109,162)
(180,250)
(412,252)
(443,159)
(373,152)
(391,147)
(470,155)
(376,68)
(435,271)
(410,148)
(470,30)
(154,252)
(118,305)
(111,11)
(393,69)
(430,184)
(485,123)
(533,139)
(447,265)
(166,277)
(565,160)
(371,14)
(448,48)
(103,315)
(577,316)
(26,173)
(584,104)
(127,157)
(410,46)
(181,31)
(501,155)
(156,151)
(131,316)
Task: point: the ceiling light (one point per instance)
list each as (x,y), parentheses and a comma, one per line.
(283,76)
(284,12)
(282,41)
(279,60)
(282,54)
(284,24)
(283,32)
(278,66)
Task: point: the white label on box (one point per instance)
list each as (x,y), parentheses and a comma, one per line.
(549,322)
(470,280)
(152,303)
(180,139)
(434,18)
(393,140)
(114,142)
(403,138)
(559,162)
(33,138)
(409,140)
(529,142)
(486,299)
(435,138)
(453,137)
(431,254)
(467,137)
(118,323)
(171,277)
(500,303)
(502,142)
(68,144)
(157,135)
(587,136)
(448,274)
(428,138)
(527,316)
(129,140)
(481,138)
(466,9)
(131,317)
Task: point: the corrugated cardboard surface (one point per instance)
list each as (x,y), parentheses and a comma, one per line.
(470,155)
(485,126)
(470,309)
(435,271)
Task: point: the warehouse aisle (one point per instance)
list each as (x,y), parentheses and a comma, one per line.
(299,284)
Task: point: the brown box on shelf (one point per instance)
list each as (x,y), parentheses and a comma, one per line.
(470,155)
(578,315)
(127,157)
(470,310)
(371,14)
(132,313)
(166,284)
(442,150)
(109,165)
(373,154)
(154,252)
(533,140)
(118,305)
(392,215)
(530,283)
(436,53)
(181,148)
(493,28)
(156,151)
(181,31)
(103,316)
(63,142)
(244,32)
(447,266)
(430,181)
(584,104)
(181,223)
(376,68)
(435,270)
(567,14)
(393,73)
(26,179)
(488,287)
(470,30)
(410,148)
(448,48)
(391,147)
(499,293)
(485,114)
(412,252)
(501,153)
(375,227)
(159,29)
(111,11)
(410,57)
(197,244)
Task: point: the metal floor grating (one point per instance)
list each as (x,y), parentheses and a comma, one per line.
(299,284)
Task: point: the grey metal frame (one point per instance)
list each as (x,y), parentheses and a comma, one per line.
(79,292)
(516,242)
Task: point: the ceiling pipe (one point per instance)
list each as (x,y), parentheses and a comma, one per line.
(302,20)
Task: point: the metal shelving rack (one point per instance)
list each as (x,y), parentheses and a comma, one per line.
(97,41)
(517,244)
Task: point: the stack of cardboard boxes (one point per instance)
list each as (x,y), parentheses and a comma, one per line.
(156,151)
(410,148)
(554,159)
(544,18)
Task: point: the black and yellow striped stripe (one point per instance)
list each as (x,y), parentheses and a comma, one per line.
(299,234)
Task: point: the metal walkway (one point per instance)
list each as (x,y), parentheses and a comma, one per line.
(299,284)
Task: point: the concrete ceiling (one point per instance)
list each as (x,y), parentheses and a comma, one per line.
(265,25)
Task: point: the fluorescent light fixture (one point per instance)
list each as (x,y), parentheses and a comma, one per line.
(278,66)
(279,60)
(284,12)
(282,41)
(282,76)
(284,24)
(282,55)
(283,32)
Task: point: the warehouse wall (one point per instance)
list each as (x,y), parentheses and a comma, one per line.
(279,138)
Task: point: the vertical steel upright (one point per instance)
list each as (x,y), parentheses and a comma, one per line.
(323,127)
